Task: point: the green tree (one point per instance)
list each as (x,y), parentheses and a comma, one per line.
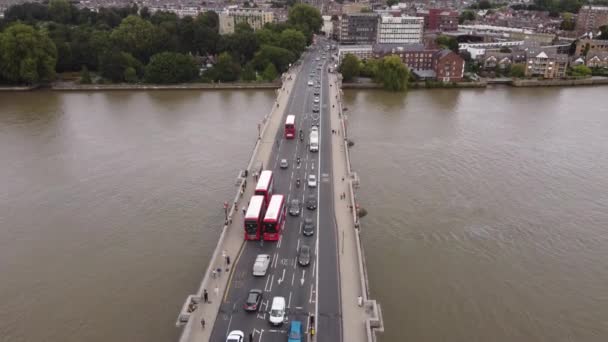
(60,11)
(242,45)
(484,4)
(292,40)
(281,58)
(171,67)
(392,73)
(113,64)
(518,70)
(568,23)
(305,17)
(270,73)
(27,55)
(243,27)
(267,36)
(603,33)
(466,16)
(130,75)
(391,2)
(249,73)
(225,70)
(447,42)
(350,67)
(369,67)
(144,13)
(85,76)
(580,71)
(137,36)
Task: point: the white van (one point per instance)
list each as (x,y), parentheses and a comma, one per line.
(314,141)
(277,311)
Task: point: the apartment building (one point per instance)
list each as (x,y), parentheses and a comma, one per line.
(441,20)
(546,64)
(590,18)
(425,63)
(360,51)
(256,18)
(358,28)
(400,30)
(587,46)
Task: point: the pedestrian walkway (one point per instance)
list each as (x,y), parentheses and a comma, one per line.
(357,310)
(202,319)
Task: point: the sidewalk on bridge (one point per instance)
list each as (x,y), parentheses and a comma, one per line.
(353,315)
(233,240)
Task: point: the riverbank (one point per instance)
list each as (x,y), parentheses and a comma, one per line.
(72,86)
(417,85)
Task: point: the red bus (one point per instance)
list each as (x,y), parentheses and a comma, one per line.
(265,185)
(254,218)
(290,127)
(275,218)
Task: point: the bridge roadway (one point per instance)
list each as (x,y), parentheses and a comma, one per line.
(307,290)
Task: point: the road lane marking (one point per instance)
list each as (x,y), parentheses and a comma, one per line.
(302,279)
(280,240)
(271,283)
(282,278)
(311,292)
(229,322)
(293,277)
(289,301)
(275,257)
(298,246)
(266,286)
(232,270)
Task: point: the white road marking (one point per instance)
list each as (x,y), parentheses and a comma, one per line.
(229,322)
(298,246)
(266,286)
(302,279)
(293,277)
(274,260)
(311,292)
(271,282)
(289,301)
(282,278)
(280,240)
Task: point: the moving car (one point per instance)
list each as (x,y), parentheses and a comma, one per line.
(316,99)
(314,129)
(310,83)
(311,202)
(277,311)
(315,108)
(295,332)
(260,266)
(235,336)
(312,181)
(317,92)
(284,164)
(309,227)
(254,298)
(294,207)
(304,256)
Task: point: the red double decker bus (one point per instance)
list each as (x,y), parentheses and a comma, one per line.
(275,218)
(254,218)
(264,186)
(290,127)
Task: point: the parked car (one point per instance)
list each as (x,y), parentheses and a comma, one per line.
(294,207)
(315,108)
(254,298)
(312,181)
(260,266)
(304,256)
(277,311)
(284,164)
(311,202)
(235,336)
(309,227)
(295,332)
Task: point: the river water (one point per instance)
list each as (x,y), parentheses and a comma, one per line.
(487,209)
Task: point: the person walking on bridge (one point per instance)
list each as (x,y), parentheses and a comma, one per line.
(203,323)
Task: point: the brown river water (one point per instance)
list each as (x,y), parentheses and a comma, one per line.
(488,209)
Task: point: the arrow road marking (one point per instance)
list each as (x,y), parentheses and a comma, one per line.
(282,277)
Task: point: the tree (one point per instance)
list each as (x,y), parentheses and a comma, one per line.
(466,16)
(447,42)
(249,73)
(267,36)
(243,27)
(242,45)
(392,73)
(293,41)
(60,11)
(130,75)
(171,67)
(137,37)
(505,49)
(144,13)
(305,17)
(27,55)
(225,70)
(369,68)
(518,70)
(484,4)
(281,58)
(113,64)
(568,23)
(391,2)
(603,33)
(350,67)
(270,73)
(580,71)
(85,76)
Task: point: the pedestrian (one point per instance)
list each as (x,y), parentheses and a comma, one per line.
(244,210)
(250,337)
(203,323)
(205,296)
(343,179)
(227,259)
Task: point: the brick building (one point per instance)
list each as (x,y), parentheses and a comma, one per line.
(595,45)
(448,66)
(590,18)
(436,19)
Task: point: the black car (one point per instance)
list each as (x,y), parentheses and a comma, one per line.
(315,109)
(304,256)
(294,207)
(317,92)
(253,301)
(309,227)
(311,202)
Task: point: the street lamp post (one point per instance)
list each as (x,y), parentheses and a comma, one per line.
(226,212)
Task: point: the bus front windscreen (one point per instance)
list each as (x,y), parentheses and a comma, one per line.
(270,227)
(251,227)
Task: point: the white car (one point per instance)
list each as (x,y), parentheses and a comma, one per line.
(312,181)
(310,83)
(277,311)
(316,100)
(284,164)
(260,266)
(314,129)
(235,336)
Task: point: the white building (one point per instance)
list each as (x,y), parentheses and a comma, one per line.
(361,51)
(400,30)
(256,18)
(328,26)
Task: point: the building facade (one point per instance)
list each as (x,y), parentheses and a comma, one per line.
(590,18)
(256,18)
(448,66)
(436,19)
(546,64)
(400,30)
(361,51)
(426,63)
(358,29)
(587,46)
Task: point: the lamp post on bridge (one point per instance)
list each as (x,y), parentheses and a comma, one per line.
(226,212)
